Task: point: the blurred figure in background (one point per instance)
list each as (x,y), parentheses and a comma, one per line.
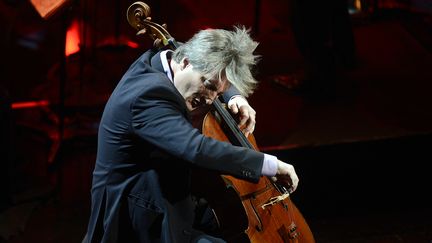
(323,34)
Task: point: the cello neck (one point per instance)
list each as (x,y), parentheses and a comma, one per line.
(237,134)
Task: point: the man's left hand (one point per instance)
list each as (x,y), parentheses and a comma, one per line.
(247,114)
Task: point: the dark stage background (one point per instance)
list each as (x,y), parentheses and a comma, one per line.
(362,155)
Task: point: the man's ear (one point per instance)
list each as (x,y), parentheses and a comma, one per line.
(184,63)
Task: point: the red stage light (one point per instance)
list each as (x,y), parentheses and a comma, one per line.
(29,104)
(72,38)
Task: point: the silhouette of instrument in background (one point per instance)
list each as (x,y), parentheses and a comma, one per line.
(264,211)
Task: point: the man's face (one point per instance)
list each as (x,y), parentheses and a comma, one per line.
(196,89)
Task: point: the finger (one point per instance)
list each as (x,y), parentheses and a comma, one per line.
(244,116)
(294,184)
(291,190)
(234,108)
(251,123)
(249,131)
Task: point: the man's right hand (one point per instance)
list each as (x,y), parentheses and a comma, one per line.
(287,175)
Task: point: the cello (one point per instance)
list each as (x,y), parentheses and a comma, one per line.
(265,212)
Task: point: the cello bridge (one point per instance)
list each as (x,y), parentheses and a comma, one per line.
(275,200)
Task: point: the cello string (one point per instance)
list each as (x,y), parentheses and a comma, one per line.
(241,138)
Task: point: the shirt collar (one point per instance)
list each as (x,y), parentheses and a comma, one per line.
(164,55)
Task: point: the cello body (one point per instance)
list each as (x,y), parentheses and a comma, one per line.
(278,222)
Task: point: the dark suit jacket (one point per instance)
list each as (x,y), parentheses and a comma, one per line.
(146,147)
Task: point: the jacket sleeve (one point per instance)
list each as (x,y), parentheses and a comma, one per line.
(230,92)
(157,118)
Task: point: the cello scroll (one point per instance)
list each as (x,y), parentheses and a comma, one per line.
(138,16)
